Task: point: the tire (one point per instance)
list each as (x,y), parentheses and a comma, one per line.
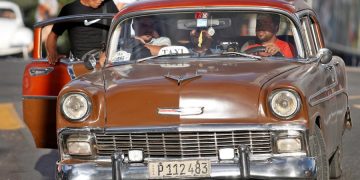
(335,163)
(318,150)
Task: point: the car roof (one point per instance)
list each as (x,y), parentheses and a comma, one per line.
(8,4)
(290,6)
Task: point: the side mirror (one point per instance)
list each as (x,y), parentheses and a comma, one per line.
(324,55)
(90,57)
(90,62)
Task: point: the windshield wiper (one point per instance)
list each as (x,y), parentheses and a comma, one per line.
(242,54)
(162,55)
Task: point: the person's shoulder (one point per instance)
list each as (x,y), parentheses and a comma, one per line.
(282,43)
(70,6)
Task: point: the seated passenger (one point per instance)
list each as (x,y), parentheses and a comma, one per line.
(200,41)
(145,32)
(267,25)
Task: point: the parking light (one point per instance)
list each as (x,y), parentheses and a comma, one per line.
(226,153)
(136,155)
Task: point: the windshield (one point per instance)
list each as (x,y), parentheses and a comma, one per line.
(229,34)
(7,14)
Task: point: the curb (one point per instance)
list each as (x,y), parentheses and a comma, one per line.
(352,69)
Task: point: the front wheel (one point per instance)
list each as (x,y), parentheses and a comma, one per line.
(317,150)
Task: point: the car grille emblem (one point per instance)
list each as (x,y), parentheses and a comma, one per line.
(182,78)
(181,111)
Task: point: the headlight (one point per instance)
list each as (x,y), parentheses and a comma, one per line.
(75,106)
(284,103)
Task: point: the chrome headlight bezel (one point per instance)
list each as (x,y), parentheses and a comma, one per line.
(80,138)
(296,98)
(88,105)
(290,135)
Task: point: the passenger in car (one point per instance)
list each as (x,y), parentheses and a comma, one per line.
(200,41)
(147,33)
(267,25)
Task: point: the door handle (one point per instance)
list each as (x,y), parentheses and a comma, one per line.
(39,71)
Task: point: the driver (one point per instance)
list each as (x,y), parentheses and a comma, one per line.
(267,25)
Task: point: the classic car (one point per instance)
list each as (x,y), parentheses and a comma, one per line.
(181,111)
(15,37)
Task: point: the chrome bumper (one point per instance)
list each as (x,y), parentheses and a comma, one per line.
(275,167)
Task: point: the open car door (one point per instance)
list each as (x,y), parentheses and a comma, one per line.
(42,83)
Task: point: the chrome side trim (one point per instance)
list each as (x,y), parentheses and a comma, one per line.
(181,111)
(40,97)
(313,102)
(70,69)
(208,128)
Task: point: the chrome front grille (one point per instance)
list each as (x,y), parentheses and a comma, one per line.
(182,144)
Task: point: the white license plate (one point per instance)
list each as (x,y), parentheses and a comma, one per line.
(178,169)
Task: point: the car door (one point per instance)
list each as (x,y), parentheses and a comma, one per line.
(337,68)
(42,83)
(324,98)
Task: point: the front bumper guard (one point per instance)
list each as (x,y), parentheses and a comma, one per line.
(274,167)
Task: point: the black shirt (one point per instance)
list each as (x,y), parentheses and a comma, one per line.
(88,34)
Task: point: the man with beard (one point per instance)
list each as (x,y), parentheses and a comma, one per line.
(267,25)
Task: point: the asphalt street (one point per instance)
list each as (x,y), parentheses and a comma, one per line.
(20,159)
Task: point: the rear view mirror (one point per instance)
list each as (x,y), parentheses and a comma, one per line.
(190,24)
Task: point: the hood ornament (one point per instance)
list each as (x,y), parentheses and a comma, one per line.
(182,78)
(181,111)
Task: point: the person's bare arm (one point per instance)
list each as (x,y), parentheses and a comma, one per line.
(120,5)
(154,49)
(51,48)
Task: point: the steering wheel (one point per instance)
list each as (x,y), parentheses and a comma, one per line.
(261,49)
(90,58)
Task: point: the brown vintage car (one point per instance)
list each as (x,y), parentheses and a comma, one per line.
(198,100)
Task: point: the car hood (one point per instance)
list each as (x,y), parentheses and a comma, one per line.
(153,94)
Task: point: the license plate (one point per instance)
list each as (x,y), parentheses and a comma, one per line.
(179,169)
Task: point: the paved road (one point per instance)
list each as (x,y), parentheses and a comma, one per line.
(19,159)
